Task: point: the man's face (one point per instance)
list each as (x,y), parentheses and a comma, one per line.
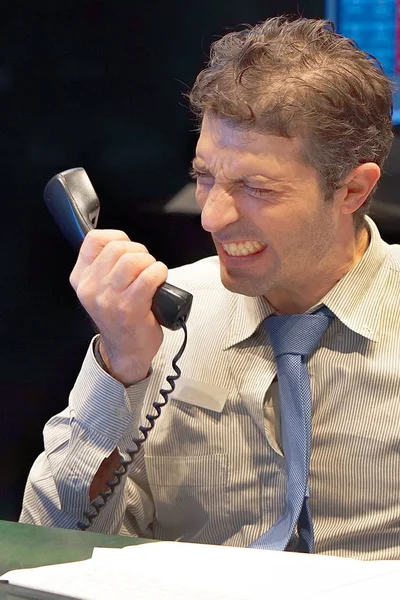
(265,210)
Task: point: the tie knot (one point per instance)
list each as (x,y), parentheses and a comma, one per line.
(297,334)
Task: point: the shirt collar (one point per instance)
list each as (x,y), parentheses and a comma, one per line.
(355,299)
(247,314)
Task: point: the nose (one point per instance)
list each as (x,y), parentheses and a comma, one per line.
(219,209)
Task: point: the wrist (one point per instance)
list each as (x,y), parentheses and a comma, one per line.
(98,356)
(121,370)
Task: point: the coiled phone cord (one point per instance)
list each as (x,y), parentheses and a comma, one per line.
(98,503)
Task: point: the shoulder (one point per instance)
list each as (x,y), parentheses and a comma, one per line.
(201,275)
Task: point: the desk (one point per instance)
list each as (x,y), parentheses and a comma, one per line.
(24,546)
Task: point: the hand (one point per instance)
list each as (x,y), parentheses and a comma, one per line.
(115,280)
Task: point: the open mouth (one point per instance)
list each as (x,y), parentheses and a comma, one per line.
(243,248)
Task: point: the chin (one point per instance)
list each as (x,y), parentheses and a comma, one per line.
(245,285)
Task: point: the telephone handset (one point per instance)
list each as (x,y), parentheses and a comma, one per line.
(75,208)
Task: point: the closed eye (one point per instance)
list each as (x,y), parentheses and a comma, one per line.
(194,174)
(206,178)
(258,192)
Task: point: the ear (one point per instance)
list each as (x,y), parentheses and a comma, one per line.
(357,186)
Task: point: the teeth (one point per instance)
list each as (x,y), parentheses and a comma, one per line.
(243,248)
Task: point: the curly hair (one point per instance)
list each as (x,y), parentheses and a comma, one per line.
(299,78)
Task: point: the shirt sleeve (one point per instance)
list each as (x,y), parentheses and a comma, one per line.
(102,414)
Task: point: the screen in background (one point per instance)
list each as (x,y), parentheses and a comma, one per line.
(375,26)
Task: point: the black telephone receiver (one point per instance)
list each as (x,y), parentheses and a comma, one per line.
(75,207)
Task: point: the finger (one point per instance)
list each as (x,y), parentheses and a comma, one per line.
(127,268)
(147,282)
(108,251)
(111,254)
(92,245)
(96,240)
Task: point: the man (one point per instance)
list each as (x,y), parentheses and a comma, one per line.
(295,127)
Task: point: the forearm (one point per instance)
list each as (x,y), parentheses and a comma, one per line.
(42,506)
(82,449)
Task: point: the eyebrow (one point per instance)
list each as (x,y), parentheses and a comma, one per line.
(198,166)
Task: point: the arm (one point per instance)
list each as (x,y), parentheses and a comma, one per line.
(115,280)
(81,444)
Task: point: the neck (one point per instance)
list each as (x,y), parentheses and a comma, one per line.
(308,291)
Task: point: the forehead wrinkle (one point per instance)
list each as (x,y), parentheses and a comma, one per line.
(241,173)
(219,137)
(249,160)
(215,166)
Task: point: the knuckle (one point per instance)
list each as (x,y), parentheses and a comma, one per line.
(116,249)
(147,277)
(137,260)
(127,259)
(88,294)
(82,292)
(141,247)
(162,268)
(92,239)
(113,249)
(97,239)
(73,279)
(93,235)
(101,304)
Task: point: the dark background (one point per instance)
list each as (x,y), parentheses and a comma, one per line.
(96,84)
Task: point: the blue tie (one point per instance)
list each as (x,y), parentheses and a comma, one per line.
(293,339)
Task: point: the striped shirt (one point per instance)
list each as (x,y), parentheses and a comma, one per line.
(219,477)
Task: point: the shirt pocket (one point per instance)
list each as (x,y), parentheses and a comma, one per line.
(190,496)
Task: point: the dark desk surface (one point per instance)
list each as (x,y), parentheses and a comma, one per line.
(24,546)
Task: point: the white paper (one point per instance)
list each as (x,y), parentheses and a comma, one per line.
(182,571)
